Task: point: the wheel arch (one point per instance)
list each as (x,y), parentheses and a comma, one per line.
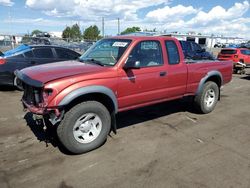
(214,76)
(99,93)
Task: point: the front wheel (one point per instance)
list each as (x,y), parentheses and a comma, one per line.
(85,127)
(207,99)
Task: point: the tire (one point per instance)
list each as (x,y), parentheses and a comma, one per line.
(207,99)
(85,127)
(15,84)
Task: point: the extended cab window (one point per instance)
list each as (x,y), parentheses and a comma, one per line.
(43,53)
(173,53)
(148,53)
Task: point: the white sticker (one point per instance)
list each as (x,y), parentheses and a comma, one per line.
(120,44)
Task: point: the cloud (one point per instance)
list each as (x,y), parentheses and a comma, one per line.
(6,3)
(93,9)
(170,13)
(37,22)
(218,14)
(157,14)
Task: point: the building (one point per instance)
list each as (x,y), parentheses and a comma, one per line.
(206,40)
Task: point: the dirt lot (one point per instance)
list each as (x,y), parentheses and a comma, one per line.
(165,145)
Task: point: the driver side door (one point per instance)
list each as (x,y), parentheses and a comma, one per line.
(146,84)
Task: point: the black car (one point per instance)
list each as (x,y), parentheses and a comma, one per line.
(194,51)
(30,55)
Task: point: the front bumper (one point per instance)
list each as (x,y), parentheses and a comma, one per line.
(33,109)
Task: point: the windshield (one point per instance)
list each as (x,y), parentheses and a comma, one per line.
(106,52)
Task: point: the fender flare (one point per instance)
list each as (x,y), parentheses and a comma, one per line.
(206,77)
(88,90)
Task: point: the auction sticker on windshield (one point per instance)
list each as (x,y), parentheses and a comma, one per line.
(120,44)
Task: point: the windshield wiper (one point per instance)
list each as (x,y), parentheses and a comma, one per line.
(91,60)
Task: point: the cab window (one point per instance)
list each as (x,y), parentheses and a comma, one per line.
(148,53)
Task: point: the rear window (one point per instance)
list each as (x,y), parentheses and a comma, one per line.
(228,51)
(66,54)
(28,54)
(43,53)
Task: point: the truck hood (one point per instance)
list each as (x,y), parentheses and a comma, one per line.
(52,71)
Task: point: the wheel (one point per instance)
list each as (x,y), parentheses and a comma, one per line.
(85,127)
(206,100)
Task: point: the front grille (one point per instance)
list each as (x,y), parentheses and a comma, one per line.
(32,95)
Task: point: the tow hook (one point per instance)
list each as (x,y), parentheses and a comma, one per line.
(39,120)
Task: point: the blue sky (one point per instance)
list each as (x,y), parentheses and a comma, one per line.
(229,18)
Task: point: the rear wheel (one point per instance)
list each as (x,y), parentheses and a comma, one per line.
(85,127)
(207,99)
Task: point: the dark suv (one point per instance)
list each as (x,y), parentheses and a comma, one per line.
(194,51)
(30,55)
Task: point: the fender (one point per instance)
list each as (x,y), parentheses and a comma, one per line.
(88,90)
(205,78)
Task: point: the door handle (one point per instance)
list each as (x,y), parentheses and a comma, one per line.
(163,73)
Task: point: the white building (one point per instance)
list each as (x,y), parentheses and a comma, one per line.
(206,40)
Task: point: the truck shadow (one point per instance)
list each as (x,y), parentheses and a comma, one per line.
(47,136)
(124,119)
(7,88)
(148,113)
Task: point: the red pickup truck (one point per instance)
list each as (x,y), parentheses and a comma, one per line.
(116,74)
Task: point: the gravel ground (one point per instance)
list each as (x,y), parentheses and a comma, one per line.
(165,145)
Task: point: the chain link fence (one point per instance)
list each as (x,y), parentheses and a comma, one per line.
(78,45)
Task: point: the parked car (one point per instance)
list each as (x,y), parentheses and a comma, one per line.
(117,74)
(193,50)
(219,45)
(236,55)
(26,56)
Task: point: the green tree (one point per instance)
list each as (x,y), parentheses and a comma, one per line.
(66,32)
(150,30)
(131,30)
(75,32)
(35,32)
(92,33)
(72,32)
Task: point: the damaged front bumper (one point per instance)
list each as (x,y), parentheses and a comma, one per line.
(54,115)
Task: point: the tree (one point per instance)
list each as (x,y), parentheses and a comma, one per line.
(92,33)
(66,32)
(150,30)
(36,32)
(131,30)
(73,32)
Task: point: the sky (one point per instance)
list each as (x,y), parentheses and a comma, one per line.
(219,17)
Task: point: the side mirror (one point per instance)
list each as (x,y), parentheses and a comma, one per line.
(132,65)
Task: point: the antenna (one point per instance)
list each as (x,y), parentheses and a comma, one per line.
(118,22)
(103,27)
